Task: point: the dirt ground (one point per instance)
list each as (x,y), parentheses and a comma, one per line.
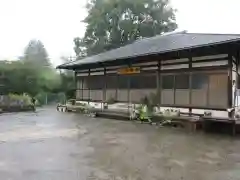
(50,145)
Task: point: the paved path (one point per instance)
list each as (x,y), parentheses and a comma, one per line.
(50,145)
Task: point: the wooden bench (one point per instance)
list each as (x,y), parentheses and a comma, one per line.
(114,114)
(206,120)
(189,122)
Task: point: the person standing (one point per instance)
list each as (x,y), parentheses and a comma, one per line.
(33,103)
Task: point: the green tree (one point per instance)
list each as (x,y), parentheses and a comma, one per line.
(67,80)
(66,60)
(114,23)
(79,48)
(32,74)
(36,58)
(68,85)
(36,54)
(18,78)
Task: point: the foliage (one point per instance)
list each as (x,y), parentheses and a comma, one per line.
(36,58)
(49,97)
(145,101)
(150,101)
(35,54)
(17,78)
(114,23)
(67,85)
(66,60)
(32,74)
(24,97)
(111,100)
(78,49)
(62,98)
(154,99)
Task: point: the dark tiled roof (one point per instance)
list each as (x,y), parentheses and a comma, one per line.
(157,45)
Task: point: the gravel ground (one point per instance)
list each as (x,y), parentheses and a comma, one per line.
(51,145)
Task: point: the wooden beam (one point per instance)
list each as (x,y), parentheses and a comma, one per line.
(159,82)
(163,64)
(128,89)
(105,86)
(237,68)
(88,87)
(230,95)
(82,86)
(234,61)
(189,106)
(205,68)
(237,77)
(129,84)
(174,89)
(75,83)
(190,80)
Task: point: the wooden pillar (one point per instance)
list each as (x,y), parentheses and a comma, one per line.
(128,85)
(174,89)
(76,84)
(237,78)
(116,92)
(88,86)
(105,86)
(159,82)
(82,83)
(190,81)
(230,83)
(128,91)
(129,88)
(208,90)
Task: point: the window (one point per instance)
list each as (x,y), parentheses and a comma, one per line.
(111,82)
(199,81)
(182,81)
(143,81)
(79,83)
(238,81)
(95,82)
(123,81)
(86,82)
(168,82)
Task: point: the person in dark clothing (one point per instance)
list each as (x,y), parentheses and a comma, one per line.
(33,103)
(33,100)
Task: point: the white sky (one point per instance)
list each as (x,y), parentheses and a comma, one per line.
(57,22)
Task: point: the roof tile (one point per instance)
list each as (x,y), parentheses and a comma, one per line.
(158,44)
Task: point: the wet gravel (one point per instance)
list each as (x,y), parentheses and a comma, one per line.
(50,145)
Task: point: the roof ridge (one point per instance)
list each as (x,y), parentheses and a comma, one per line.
(161,35)
(213,34)
(174,32)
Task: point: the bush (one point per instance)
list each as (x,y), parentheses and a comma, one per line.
(45,97)
(111,100)
(41,98)
(24,99)
(150,101)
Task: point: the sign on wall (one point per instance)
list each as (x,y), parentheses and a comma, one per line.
(130,70)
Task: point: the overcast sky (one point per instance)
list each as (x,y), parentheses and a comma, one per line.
(57,22)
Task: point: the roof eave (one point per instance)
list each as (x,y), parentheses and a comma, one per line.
(148,54)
